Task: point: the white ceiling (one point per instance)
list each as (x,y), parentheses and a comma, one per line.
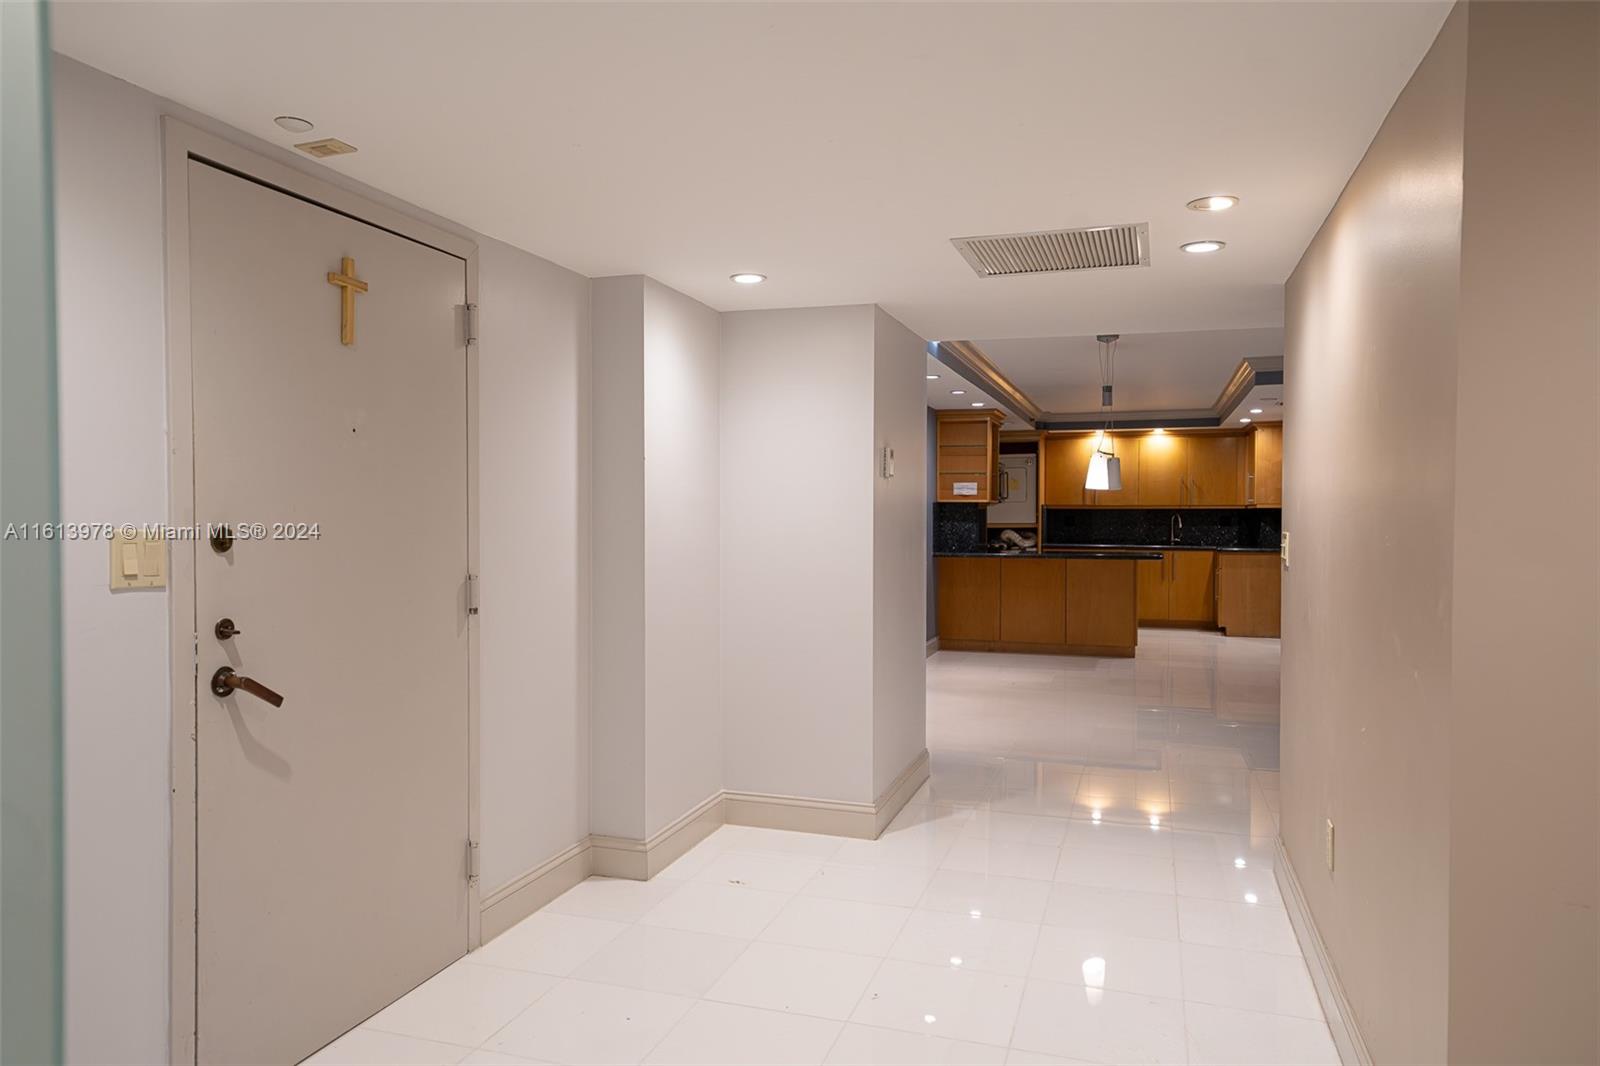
(1154,371)
(836,148)
(1267,399)
(943,381)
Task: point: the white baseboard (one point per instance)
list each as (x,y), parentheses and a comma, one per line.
(1330,991)
(510,903)
(933,646)
(802,814)
(899,793)
(640,860)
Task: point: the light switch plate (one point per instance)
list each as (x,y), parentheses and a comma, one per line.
(1283,548)
(1330,845)
(139,561)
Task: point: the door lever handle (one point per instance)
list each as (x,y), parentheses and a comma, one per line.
(225,683)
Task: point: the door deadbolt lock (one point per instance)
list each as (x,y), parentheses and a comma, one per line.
(225,629)
(225,683)
(221,539)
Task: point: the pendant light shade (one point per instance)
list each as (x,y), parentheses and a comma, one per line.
(1105,469)
(1105,473)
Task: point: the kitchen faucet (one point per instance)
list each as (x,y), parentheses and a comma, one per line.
(1175,528)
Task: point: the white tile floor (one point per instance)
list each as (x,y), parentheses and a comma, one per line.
(1087,877)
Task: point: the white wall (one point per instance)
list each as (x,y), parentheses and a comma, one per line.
(618,681)
(683,726)
(657,724)
(116,711)
(899,553)
(804,518)
(115,658)
(533,473)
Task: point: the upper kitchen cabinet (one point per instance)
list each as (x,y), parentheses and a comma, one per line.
(1066,467)
(1216,471)
(1263,480)
(968,458)
(1163,470)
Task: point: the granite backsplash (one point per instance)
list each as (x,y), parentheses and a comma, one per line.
(1253,527)
(959,527)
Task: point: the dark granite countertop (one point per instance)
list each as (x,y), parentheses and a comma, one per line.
(1054,553)
(1053,549)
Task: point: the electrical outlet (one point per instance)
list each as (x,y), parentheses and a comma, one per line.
(1330,845)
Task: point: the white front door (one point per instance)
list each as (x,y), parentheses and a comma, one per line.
(332,830)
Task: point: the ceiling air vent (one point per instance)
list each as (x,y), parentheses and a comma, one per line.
(1050,251)
(326,147)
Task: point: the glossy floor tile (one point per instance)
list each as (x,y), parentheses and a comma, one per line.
(1087,876)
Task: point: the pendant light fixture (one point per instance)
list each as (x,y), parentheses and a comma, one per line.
(1105,469)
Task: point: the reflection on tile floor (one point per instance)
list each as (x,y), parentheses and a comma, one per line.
(1086,877)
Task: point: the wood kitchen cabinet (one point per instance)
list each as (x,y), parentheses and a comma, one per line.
(969,599)
(967,460)
(1167,469)
(1033,601)
(1216,471)
(1163,470)
(1194,588)
(1264,467)
(1100,612)
(1249,589)
(1154,596)
(1054,605)
(1179,588)
(1066,465)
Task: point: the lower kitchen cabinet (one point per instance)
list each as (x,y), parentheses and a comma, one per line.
(1155,597)
(1103,611)
(969,599)
(1058,606)
(1179,588)
(1033,601)
(1249,587)
(1194,588)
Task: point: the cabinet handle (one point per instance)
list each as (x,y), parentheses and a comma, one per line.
(1249,488)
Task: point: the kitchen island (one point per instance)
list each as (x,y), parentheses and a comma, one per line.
(1056,603)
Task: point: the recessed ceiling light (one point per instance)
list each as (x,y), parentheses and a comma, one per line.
(979,403)
(294,124)
(747,279)
(1245,420)
(1213,203)
(933,377)
(1255,410)
(958,392)
(1201,247)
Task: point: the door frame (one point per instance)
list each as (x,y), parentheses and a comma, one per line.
(182,142)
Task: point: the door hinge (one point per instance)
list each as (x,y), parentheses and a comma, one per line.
(472,593)
(472,862)
(470,318)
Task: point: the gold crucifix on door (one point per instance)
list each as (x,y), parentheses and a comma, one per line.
(348,285)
